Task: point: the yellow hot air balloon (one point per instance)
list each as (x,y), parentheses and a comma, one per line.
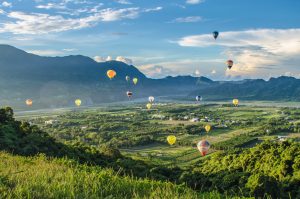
(78,102)
(235,102)
(28,102)
(171,139)
(207,128)
(149,105)
(135,80)
(111,74)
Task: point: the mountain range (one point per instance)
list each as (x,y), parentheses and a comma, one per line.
(57,81)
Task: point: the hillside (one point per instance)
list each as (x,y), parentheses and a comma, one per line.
(281,88)
(268,169)
(40,177)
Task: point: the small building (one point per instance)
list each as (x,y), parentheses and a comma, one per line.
(51,122)
(195,119)
(83,127)
(158,116)
(282,138)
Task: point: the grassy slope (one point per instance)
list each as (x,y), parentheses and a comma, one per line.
(37,177)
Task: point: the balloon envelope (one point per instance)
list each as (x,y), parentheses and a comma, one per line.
(127,78)
(149,106)
(203,146)
(235,102)
(129,94)
(135,80)
(229,63)
(78,102)
(207,128)
(151,99)
(111,74)
(171,139)
(28,102)
(215,34)
(198,98)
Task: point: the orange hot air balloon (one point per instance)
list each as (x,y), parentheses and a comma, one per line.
(111,74)
(29,102)
(203,146)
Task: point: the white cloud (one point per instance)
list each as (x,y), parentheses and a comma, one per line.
(125,2)
(99,59)
(156,71)
(2,11)
(102,59)
(6,4)
(179,67)
(254,52)
(51,6)
(197,72)
(115,15)
(36,23)
(70,49)
(46,52)
(109,58)
(125,60)
(188,19)
(194,1)
(153,9)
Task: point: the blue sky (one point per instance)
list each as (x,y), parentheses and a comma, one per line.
(163,37)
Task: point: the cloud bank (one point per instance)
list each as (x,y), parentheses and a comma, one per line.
(254,51)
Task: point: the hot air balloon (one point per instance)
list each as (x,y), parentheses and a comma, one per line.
(78,102)
(127,78)
(229,63)
(149,105)
(171,139)
(28,102)
(203,147)
(129,94)
(111,74)
(151,99)
(215,34)
(198,98)
(135,80)
(207,128)
(235,102)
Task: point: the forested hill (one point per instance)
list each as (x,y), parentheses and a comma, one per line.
(268,169)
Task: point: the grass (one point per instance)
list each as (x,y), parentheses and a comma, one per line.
(38,177)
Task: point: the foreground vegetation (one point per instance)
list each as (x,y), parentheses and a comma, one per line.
(131,142)
(38,177)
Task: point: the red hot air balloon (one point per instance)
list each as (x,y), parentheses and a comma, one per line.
(203,146)
(229,63)
(129,94)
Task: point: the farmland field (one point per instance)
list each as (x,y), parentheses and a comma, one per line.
(141,134)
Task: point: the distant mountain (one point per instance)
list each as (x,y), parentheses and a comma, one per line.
(281,88)
(15,63)
(57,81)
